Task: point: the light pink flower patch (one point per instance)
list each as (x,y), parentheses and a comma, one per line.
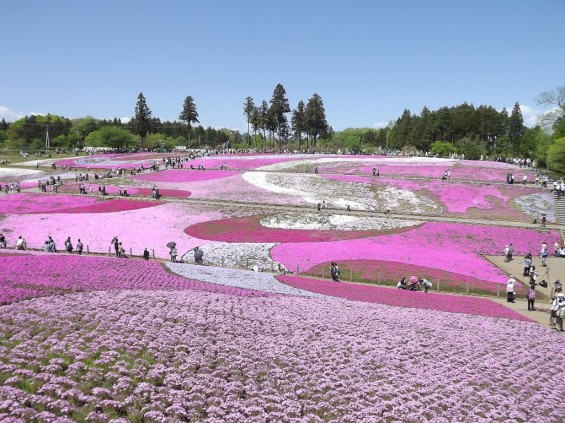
(401,298)
(456,248)
(183,175)
(151,227)
(235,188)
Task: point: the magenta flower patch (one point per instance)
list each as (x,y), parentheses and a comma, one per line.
(183,175)
(249,229)
(27,203)
(451,247)
(400,298)
(375,271)
(31,275)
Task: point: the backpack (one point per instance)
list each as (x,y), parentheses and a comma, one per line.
(532,294)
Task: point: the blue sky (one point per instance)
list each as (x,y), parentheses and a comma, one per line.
(368,60)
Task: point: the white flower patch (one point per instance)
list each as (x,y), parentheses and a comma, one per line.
(408,201)
(6,172)
(237,278)
(237,254)
(542,203)
(335,222)
(316,189)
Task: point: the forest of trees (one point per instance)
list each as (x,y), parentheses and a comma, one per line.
(272,125)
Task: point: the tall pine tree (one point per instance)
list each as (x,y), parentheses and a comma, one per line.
(142,119)
(248,109)
(516,129)
(189,114)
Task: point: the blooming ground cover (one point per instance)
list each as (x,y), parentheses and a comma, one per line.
(30,203)
(30,275)
(99,339)
(151,227)
(183,175)
(252,229)
(400,298)
(112,189)
(471,200)
(200,356)
(451,247)
(314,189)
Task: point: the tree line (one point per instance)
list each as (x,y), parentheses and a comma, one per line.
(273,125)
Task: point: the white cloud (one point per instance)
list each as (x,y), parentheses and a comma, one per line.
(8,115)
(529,114)
(125,119)
(380,124)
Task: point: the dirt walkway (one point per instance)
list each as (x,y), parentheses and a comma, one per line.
(555,270)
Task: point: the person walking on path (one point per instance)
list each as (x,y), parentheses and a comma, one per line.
(146,254)
(510,285)
(116,246)
(527,263)
(531,296)
(544,254)
(80,246)
(334,270)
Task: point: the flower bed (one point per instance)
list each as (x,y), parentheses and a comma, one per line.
(197,356)
(315,189)
(27,203)
(132,191)
(478,201)
(245,279)
(250,229)
(390,272)
(402,298)
(151,227)
(456,248)
(183,176)
(27,276)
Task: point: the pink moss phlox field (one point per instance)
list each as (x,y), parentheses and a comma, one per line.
(249,229)
(458,171)
(375,271)
(184,175)
(456,197)
(132,191)
(235,188)
(401,298)
(456,248)
(31,203)
(199,356)
(31,275)
(129,160)
(154,228)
